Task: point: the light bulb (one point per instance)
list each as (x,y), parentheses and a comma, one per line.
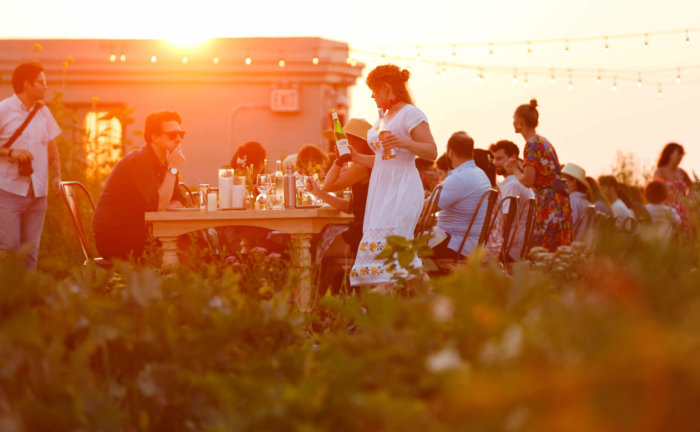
(599,80)
(216,60)
(154,59)
(678,76)
(515,77)
(529,49)
(314,60)
(639,80)
(454,50)
(687,38)
(571,85)
(480,78)
(526,83)
(185,59)
(122,57)
(491,51)
(660,93)
(248,60)
(282,63)
(614,86)
(607,46)
(646,41)
(566,48)
(553,79)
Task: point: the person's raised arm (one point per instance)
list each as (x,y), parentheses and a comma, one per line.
(421,143)
(165,190)
(366,160)
(339,203)
(339,179)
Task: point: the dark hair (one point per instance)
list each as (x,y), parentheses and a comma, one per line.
(594,192)
(395,77)
(655,192)
(154,123)
(608,180)
(424,164)
(441,163)
(253,152)
(580,187)
(508,147)
(310,155)
(461,144)
(27,71)
(483,159)
(666,153)
(528,112)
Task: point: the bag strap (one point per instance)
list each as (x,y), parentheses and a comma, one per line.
(23,126)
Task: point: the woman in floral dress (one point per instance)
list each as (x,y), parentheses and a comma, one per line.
(395,196)
(541,172)
(677,181)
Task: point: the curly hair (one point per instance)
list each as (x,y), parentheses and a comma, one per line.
(395,77)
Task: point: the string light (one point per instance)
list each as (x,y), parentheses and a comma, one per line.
(599,80)
(566,48)
(515,76)
(525,83)
(614,86)
(490,50)
(454,50)
(571,81)
(687,38)
(553,79)
(216,60)
(154,59)
(248,60)
(314,60)
(660,93)
(639,79)
(418,57)
(112,57)
(529,49)
(281,63)
(185,60)
(480,78)
(122,57)
(646,41)
(607,45)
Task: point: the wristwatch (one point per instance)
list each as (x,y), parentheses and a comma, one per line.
(173,171)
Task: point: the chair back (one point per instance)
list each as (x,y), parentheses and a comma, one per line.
(489,218)
(584,222)
(492,195)
(187,193)
(427,216)
(529,226)
(511,216)
(73,194)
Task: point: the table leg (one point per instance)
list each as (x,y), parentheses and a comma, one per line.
(301,262)
(170,258)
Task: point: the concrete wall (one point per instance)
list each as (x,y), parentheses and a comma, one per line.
(224,102)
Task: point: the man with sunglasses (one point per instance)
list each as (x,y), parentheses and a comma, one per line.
(23,193)
(144,180)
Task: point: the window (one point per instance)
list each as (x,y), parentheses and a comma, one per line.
(103,143)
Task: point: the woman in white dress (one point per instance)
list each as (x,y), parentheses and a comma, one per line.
(395,196)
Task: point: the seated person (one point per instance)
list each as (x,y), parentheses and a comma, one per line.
(575,178)
(484,160)
(442,167)
(662,215)
(252,154)
(428,175)
(144,180)
(504,151)
(355,176)
(311,160)
(461,192)
(610,190)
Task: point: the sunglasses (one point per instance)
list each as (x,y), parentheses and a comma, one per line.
(172,134)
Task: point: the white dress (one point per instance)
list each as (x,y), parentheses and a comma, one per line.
(394,200)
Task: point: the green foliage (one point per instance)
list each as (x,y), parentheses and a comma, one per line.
(615,348)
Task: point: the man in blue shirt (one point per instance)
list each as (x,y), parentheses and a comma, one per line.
(461,192)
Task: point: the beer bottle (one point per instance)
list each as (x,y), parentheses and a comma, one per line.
(341,141)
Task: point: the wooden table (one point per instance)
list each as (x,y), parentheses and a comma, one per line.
(300,223)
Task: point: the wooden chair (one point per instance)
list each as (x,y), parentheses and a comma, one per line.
(529,226)
(447,265)
(511,216)
(584,222)
(427,216)
(73,194)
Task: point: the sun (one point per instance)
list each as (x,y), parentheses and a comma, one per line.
(188,38)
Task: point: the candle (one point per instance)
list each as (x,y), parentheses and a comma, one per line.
(225,184)
(238,198)
(211,201)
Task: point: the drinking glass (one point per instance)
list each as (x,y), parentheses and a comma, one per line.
(263,184)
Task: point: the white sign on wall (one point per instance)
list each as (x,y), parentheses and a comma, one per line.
(284,100)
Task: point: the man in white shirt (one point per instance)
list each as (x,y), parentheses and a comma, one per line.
(608,187)
(503,151)
(23,197)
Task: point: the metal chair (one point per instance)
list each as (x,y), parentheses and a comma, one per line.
(584,222)
(492,195)
(529,226)
(72,192)
(427,216)
(509,218)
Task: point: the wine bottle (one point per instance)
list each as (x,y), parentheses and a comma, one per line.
(341,141)
(278,188)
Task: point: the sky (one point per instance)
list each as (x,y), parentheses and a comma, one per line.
(587,124)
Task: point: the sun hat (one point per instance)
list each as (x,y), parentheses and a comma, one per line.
(355,126)
(575,171)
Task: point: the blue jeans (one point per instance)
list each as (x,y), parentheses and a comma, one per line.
(21,222)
